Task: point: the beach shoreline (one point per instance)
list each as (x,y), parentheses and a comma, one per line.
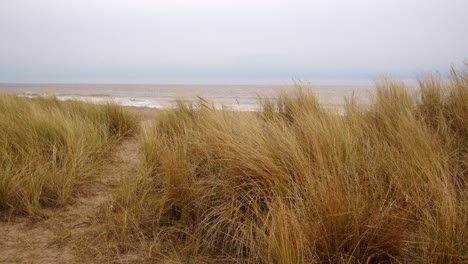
(235,97)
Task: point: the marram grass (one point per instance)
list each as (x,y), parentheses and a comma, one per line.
(49,149)
(384,183)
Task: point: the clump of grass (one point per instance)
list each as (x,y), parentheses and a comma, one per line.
(297,184)
(48,149)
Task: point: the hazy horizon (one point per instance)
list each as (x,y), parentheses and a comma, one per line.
(249,82)
(228,42)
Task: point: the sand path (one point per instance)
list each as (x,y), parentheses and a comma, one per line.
(51,241)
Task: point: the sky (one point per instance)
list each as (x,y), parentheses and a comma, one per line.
(224,41)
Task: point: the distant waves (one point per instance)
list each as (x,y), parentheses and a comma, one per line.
(235,97)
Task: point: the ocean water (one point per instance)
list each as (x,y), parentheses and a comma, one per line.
(236,97)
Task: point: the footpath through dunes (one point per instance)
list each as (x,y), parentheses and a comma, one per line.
(56,238)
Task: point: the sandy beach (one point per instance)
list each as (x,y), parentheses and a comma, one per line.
(163,184)
(236,97)
(232,132)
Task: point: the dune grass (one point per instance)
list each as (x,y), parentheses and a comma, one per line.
(297,184)
(48,149)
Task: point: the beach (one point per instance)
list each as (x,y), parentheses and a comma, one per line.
(88,181)
(236,97)
(232,132)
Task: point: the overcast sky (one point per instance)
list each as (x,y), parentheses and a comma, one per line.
(215,41)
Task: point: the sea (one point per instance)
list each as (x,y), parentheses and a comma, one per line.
(235,97)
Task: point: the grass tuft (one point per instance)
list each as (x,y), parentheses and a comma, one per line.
(49,149)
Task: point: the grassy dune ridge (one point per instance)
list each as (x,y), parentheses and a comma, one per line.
(48,149)
(295,183)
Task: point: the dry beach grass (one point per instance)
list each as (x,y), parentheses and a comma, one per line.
(48,149)
(297,184)
(293,183)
